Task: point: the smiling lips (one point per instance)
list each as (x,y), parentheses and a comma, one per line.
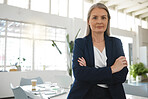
(99,27)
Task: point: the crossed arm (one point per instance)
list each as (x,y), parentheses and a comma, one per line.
(119,64)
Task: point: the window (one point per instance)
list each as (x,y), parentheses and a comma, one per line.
(121,21)
(137,22)
(27,30)
(48,56)
(39,32)
(2,52)
(75,8)
(40,5)
(2,27)
(34,43)
(55,7)
(113,20)
(63,8)
(144,24)
(86,9)
(130,23)
(59,7)
(1,1)
(2,43)
(13,29)
(19,3)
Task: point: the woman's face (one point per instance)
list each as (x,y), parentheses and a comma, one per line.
(98,20)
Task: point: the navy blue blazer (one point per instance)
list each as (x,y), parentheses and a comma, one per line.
(88,76)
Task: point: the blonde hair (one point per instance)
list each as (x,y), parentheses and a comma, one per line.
(102,6)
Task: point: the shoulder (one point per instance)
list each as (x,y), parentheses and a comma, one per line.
(115,39)
(80,43)
(81,40)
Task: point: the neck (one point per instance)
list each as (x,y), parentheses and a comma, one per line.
(98,37)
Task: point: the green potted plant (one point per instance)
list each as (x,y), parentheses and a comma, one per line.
(19,63)
(138,70)
(70,45)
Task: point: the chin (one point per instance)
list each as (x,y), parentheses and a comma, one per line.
(99,31)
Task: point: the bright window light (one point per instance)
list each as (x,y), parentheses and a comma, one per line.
(113,20)
(121,20)
(144,24)
(55,7)
(19,3)
(63,8)
(40,5)
(130,23)
(48,57)
(86,9)
(75,8)
(1,1)
(34,43)
(2,49)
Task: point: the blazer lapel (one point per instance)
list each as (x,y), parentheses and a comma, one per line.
(90,51)
(108,46)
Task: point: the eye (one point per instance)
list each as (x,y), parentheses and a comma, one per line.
(104,18)
(95,17)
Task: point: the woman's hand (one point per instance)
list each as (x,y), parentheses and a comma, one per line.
(82,61)
(119,64)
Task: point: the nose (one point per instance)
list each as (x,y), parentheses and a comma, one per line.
(99,20)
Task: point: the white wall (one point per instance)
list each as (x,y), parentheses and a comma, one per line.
(143,43)
(143,36)
(144,55)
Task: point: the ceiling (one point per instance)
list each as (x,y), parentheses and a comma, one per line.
(137,8)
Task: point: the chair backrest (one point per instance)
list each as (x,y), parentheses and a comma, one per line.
(19,93)
(27,81)
(64,81)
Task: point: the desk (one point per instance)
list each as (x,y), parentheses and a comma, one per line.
(45,91)
(136,88)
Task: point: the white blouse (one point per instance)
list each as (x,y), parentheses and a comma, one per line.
(100,61)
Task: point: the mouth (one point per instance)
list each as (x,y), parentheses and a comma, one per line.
(99,26)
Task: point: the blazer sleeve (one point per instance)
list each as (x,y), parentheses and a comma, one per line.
(88,74)
(119,77)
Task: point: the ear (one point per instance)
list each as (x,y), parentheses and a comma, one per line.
(88,22)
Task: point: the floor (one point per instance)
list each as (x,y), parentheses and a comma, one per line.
(8,98)
(135,97)
(127,96)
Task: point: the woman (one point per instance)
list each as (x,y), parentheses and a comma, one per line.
(99,64)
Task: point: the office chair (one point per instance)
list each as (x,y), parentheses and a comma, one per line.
(64,81)
(27,81)
(19,93)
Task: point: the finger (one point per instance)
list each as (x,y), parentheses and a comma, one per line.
(125,63)
(81,62)
(81,59)
(121,57)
